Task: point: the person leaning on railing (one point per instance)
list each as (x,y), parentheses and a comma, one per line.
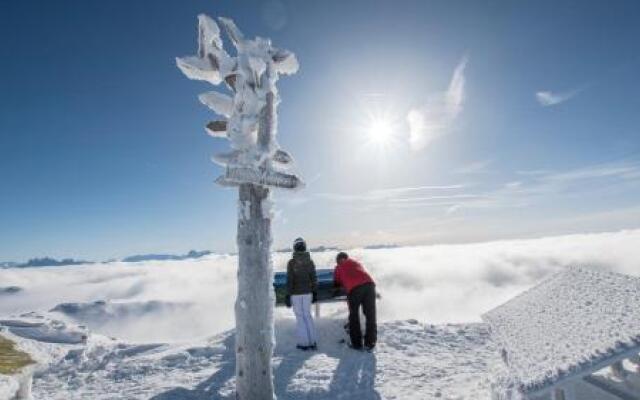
(361,292)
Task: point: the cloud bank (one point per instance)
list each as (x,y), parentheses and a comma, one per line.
(434,119)
(181,300)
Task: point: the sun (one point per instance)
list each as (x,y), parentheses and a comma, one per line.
(380,130)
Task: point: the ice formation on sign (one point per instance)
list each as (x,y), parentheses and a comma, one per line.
(569,324)
(255,164)
(251,121)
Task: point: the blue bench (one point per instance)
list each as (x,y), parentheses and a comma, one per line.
(326,291)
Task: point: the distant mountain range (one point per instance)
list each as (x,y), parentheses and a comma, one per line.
(43,262)
(318,249)
(381,246)
(8,264)
(193,254)
(52,262)
(166,257)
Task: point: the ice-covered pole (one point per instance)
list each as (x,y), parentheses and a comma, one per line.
(255,164)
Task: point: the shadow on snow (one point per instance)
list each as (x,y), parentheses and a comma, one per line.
(353,377)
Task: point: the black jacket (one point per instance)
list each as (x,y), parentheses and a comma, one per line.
(301,274)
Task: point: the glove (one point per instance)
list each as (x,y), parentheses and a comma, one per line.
(287,301)
(314,297)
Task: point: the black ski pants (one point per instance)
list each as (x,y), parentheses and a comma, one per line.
(365,296)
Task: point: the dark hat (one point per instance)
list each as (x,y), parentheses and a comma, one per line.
(341,256)
(299,245)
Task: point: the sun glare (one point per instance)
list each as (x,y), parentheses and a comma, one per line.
(378,128)
(380,131)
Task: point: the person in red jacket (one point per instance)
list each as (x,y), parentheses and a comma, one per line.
(361,291)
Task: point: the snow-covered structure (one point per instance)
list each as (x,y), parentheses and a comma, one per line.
(554,336)
(255,164)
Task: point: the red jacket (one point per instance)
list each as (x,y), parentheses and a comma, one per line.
(350,274)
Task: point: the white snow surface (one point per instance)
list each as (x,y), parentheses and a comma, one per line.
(413,361)
(569,323)
(141,319)
(8,386)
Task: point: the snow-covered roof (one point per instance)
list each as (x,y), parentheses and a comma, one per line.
(575,322)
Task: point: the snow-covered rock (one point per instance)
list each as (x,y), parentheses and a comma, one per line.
(9,290)
(99,313)
(44,330)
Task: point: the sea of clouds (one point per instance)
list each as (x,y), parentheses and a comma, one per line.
(183,300)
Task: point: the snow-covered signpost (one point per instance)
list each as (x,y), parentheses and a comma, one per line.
(255,164)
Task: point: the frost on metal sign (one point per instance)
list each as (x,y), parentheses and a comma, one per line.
(570,325)
(249,110)
(255,163)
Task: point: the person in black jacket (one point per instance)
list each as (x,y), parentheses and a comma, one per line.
(301,292)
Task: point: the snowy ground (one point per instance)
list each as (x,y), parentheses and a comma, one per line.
(139,330)
(413,361)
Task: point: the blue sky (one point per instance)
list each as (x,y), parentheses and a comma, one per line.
(498,120)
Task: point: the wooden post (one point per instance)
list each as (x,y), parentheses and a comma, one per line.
(557,394)
(570,391)
(565,392)
(635,360)
(254,304)
(618,371)
(249,167)
(25,382)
